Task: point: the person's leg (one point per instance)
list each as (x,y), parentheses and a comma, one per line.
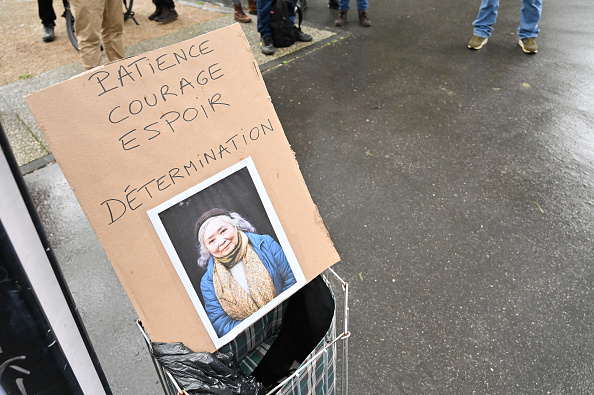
(165,4)
(301,36)
(266,45)
(529,17)
(158,10)
(343,6)
(343,9)
(264,7)
(362,6)
(48,18)
(112,29)
(238,13)
(88,15)
(46,12)
(483,25)
(292,13)
(528,30)
(252,7)
(169,14)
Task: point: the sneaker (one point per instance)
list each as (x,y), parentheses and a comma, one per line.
(168,15)
(477,42)
(48,34)
(157,13)
(302,36)
(528,45)
(266,45)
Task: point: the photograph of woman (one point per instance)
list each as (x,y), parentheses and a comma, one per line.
(229,250)
(244,270)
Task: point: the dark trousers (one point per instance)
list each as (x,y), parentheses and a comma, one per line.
(164,4)
(46,12)
(264,7)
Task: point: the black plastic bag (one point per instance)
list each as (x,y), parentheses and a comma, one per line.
(205,373)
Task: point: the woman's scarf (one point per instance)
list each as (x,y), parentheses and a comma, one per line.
(234,300)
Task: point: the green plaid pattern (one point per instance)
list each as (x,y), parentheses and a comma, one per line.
(250,346)
(318,378)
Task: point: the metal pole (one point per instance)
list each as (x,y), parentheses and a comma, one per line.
(345,346)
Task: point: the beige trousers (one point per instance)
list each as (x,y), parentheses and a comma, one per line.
(97,21)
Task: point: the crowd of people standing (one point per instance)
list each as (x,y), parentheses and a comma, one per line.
(100,23)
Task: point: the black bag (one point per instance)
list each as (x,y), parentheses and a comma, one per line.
(284,33)
(205,373)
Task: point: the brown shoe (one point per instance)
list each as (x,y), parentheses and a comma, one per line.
(252,7)
(239,15)
(363,19)
(342,17)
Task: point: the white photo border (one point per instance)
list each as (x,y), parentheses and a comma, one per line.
(181,271)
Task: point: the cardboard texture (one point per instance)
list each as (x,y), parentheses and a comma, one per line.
(134,133)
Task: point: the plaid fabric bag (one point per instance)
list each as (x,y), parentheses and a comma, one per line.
(251,345)
(314,376)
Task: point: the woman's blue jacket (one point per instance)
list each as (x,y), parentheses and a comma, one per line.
(272,256)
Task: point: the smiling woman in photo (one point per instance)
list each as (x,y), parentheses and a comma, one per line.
(244,270)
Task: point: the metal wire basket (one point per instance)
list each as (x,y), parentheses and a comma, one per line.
(317,374)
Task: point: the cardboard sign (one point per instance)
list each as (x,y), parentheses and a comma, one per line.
(151,143)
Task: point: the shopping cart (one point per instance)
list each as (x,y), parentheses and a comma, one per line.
(318,374)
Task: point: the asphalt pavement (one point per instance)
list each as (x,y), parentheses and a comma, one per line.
(457,186)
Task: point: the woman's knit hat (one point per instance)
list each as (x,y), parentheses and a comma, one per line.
(213,212)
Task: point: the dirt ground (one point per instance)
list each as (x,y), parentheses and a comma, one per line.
(24,54)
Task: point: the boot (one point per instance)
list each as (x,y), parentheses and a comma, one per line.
(158,12)
(342,17)
(168,15)
(363,19)
(239,15)
(48,34)
(252,7)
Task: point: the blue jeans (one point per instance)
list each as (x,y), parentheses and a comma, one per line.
(264,7)
(361,4)
(529,17)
